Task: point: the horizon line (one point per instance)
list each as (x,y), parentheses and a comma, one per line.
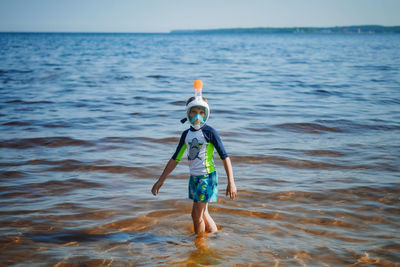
(194,30)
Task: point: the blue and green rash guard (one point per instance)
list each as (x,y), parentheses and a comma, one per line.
(200,144)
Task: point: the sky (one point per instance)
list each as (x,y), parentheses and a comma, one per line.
(167,15)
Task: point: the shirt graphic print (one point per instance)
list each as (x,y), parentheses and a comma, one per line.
(201,144)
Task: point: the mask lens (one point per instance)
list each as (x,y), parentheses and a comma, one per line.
(197,117)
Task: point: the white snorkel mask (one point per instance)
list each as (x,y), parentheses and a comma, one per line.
(197,121)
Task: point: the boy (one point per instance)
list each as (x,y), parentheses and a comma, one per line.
(200,140)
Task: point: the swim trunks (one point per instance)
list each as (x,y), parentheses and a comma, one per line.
(204,188)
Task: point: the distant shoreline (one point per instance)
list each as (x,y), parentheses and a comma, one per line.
(361,29)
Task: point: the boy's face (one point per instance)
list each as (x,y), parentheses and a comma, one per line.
(197,110)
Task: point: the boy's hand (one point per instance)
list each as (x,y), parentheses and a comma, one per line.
(156,187)
(231,190)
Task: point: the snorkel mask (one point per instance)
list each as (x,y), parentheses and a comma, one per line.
(197,121)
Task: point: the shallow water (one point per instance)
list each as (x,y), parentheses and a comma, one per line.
(88,121)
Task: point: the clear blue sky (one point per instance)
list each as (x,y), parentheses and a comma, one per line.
(166,15)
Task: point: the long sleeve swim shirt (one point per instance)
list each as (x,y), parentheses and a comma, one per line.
(200,145)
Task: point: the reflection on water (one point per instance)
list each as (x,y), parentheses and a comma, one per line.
(88,122)
(286,228)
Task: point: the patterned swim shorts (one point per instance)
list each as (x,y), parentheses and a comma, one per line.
(204,188)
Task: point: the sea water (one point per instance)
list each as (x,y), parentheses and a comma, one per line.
(311,123)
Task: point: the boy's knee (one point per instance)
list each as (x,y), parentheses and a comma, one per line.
(197,221)
(196,215)
(198,211)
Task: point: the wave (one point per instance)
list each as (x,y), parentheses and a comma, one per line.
(315,152)
(79,236)
(161,140)
(323,153)
(342,214)
(23,123)
(48,188)
(79,166)
(312,128)
(12,174)
(149,99)
(157,76)
(294,163)
(16,123)
(43,141)
(61,141)
(338,126)
(341,197)
(18,101)
(128,140)
(123,77)
(70,165)
(178,103)
(117,139)
(351,126)
(14,71)
(56,125)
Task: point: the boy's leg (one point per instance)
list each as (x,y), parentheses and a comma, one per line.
(197,216)
(210,225)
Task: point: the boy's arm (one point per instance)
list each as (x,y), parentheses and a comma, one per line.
(216,141)
(167,170)
(171,163)
(231,188)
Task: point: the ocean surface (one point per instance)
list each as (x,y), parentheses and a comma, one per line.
(88,122)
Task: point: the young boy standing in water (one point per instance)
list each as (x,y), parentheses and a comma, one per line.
(200,140)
